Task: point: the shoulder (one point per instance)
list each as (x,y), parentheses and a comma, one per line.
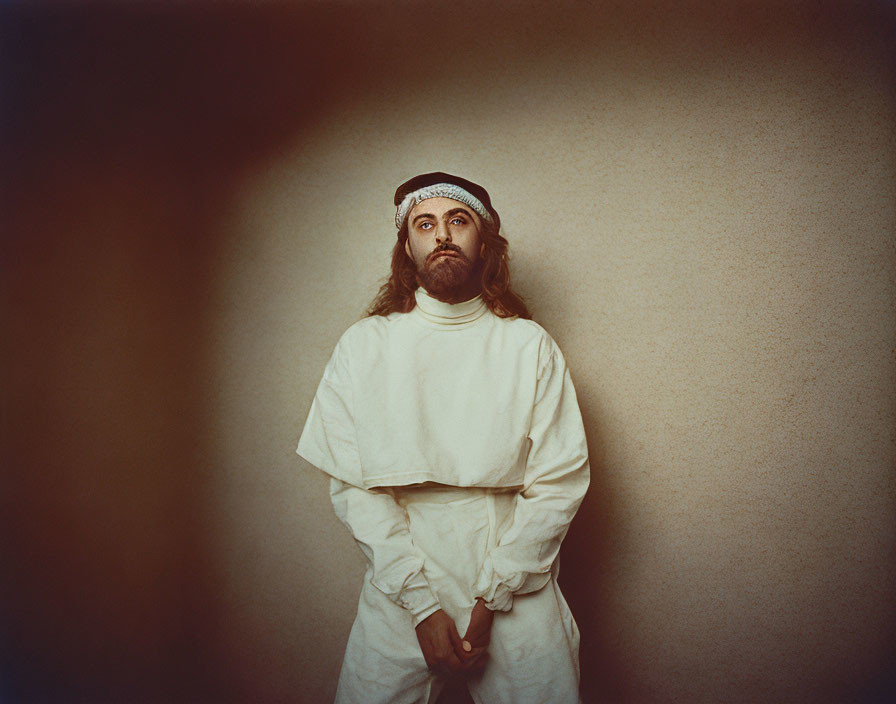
(548,357)
(529,333)
(365,338)
(368,329)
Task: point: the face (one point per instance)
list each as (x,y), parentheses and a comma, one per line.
(444,243)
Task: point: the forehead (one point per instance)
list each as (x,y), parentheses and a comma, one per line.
(439,206)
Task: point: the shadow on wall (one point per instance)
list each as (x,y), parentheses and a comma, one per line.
(586,556)
(125,130)
(586,578)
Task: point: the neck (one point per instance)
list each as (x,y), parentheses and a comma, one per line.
(445,315)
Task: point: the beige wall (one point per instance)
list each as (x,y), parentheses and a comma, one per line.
(700,205)
(704,219)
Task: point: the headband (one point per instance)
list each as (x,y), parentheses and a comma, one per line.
(440,190)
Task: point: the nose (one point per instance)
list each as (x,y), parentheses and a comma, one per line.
(442,233)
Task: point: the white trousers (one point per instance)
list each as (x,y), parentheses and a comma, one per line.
(533,654)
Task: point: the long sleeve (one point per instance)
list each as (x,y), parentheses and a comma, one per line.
(378,523)
(556,478)
(380,526)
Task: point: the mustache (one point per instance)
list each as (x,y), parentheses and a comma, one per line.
(446,247)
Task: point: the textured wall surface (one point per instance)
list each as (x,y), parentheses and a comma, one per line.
(701,209)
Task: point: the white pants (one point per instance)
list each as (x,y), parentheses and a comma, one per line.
(533,654)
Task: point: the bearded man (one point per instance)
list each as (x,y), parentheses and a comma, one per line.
(448,423)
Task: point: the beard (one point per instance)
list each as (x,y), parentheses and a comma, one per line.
(451,279)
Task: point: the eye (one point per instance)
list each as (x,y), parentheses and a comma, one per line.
(458,221)
(425,225)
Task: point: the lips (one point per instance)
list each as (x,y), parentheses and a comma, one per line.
(443,253)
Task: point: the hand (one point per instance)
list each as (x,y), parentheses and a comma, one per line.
(475,641)
(480,629)
(478,635)
(442,647)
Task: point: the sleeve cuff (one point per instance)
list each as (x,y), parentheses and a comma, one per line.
(497,595)
(420,600)
(417,618)
(502,599)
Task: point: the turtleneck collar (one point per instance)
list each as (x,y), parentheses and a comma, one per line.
(448,315)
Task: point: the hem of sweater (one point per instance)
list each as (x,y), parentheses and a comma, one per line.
(410,478)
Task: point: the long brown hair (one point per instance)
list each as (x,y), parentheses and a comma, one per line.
(397,294)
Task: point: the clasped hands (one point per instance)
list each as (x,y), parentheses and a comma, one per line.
(449,655)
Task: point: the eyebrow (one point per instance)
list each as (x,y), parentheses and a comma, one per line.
(453,211)
(448,214)
(423,215)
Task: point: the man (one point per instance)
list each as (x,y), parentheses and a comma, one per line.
(449,425)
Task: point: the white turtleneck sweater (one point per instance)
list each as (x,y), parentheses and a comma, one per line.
(452,395)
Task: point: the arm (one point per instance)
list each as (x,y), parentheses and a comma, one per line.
(380,528)
(377,522)
(557,476)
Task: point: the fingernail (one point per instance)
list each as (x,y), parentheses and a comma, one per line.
(467,646)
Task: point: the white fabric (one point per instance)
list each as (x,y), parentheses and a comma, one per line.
(380,527)
(533,653)
(465,401)
(439,190)
(483,406)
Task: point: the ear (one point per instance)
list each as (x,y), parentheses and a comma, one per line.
(407,249)
(482,250)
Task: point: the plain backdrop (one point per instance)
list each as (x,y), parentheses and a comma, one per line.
(700,204)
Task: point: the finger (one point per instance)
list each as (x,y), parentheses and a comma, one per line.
(479,629)
(477,639)
(452,667)
(477,654)
(457,643)
(477,665)
(448,658)
(474,655)
(447,665)
(472,625)
(482,657)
